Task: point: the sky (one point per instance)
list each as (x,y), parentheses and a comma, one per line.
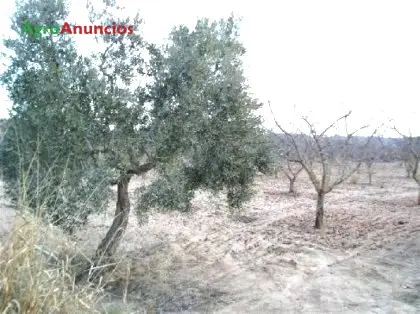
(314,58)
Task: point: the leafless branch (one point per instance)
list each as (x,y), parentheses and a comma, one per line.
(335,122)
(415,154)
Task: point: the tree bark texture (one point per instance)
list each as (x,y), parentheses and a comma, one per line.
(319,220)
(110,243)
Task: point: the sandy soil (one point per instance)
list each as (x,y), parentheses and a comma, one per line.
(268,258)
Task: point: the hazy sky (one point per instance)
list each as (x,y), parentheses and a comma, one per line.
(324,57)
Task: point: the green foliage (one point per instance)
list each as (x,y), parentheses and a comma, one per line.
(86,120)
(67,188)
(173,191)
(80,194)
(202,109)
(47,131)
(264,159)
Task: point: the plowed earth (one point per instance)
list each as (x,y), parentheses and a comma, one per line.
(268,258)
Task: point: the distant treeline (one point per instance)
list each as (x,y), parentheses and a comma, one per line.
(386,149)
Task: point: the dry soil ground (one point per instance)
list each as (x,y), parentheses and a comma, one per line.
(268,258)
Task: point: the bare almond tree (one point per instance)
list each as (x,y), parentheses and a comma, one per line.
(369,163)
(283,155)
(328,161)
(291,170)
(412,162)
(372,154)
(283,160)
(409,164)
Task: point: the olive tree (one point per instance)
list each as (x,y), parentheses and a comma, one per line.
(44,150)
(182,109)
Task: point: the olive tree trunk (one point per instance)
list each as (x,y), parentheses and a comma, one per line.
(109,244)
(103,260)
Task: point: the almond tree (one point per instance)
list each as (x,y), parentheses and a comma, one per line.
(409,165)
(283,159)
(291,169)
(328,161)
(372,154)
(412,162)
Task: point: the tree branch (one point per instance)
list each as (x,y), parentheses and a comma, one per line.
(335,122)
(142,168)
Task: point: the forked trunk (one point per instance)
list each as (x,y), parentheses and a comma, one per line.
(110,243)
(319,220)
(292,186)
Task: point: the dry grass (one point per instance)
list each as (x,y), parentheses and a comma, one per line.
(36,273)
(37,267)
